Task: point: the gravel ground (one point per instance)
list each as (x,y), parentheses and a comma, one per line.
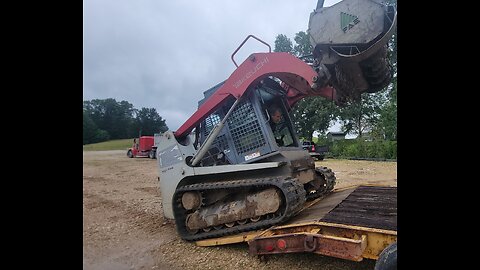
(124,228)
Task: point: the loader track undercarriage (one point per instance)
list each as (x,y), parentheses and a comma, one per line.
(244,208)
(216,209)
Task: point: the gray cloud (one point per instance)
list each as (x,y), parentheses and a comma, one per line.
(164,54)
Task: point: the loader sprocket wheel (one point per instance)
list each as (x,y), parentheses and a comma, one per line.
(293,200)
(328,177)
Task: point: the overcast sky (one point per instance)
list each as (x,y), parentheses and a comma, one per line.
(164,54)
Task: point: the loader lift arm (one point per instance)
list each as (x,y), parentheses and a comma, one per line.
(297,76)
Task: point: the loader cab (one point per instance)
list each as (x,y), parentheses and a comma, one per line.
(272,102)
(248,135)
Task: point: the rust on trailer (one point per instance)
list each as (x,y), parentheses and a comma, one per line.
(336,240)
(350,224)
(322,227)
(344,248)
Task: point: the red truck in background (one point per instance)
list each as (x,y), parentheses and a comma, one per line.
(143,147)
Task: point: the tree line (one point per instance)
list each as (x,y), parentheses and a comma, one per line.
(374,113)
(107,119)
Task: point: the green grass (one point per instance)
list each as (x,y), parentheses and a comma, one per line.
(109,145)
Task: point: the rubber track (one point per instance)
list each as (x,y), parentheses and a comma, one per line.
(294,199)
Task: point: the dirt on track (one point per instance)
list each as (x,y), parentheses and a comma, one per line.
(124,228)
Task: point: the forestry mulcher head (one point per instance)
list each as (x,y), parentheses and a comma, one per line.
(350,40)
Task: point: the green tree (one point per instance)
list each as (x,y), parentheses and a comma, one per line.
(149,122)
(89,129)
(91,133)
(116,118)
(386,127)
(312,114)
(361,116)
(283,44)
(303,48)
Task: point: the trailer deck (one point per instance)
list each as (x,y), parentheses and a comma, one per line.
(367,206)
(351,223)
